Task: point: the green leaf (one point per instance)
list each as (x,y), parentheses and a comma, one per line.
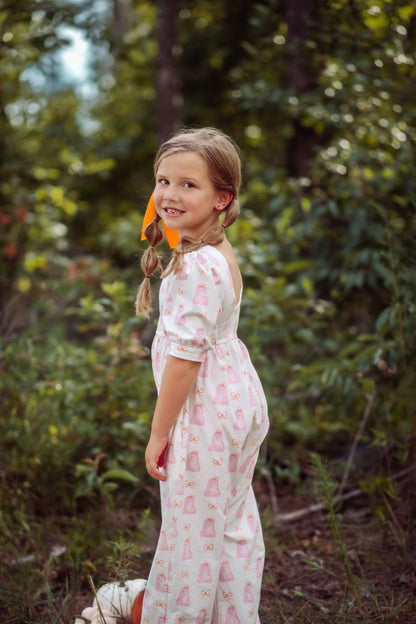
(119,474)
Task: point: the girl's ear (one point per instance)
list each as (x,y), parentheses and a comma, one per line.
(224,198)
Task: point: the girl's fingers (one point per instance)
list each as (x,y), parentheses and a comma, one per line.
(155,457)
(155,471)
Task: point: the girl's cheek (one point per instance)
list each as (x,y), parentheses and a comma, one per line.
(157,198)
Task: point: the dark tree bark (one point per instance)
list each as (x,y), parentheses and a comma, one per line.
(302,22)
(167,80)
(120,24)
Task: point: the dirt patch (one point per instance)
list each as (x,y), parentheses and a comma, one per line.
(306,579)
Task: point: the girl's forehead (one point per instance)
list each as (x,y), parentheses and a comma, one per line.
(183,162)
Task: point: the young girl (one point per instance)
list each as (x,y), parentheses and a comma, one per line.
(211,414)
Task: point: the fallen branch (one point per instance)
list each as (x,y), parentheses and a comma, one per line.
(306,511)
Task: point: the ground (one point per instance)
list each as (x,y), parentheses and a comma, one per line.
(307,581)
(359,569)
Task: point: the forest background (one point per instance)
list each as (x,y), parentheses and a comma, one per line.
(321,98)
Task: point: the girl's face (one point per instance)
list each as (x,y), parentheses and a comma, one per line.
(185,197)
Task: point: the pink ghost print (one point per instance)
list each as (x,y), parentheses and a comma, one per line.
(162,543)
(146,600)
(232,462)
(200,296)
(251,397)
(241,510)
(192,462)
(217,442)
(248,593)
(201,617)
(179,318)
(259,567)
(208,528)
(182,275)
(197,415)
(184,599)
(242,549)
(240,421)
(161,584)
(212,488)
(231,616)
(189,505)
(187,552)
(250,471)
(161,619)
(199,338)
(181,485)
(171,454)
(202,257)
(226,573)
(253,525)
(221,397)
(232,375)
(184,437)
(217,279)
(245,463)
(204,575)
(174,528)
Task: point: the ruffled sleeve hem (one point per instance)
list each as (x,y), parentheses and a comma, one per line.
(190,305)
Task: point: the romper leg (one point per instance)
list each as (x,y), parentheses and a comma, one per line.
(185,570)
(208,563)
(238,592)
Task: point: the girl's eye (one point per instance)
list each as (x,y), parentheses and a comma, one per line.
(163,181)
(189,185)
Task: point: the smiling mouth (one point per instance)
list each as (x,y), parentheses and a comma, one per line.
(173,211)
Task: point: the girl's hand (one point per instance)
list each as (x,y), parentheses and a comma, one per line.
(154,452)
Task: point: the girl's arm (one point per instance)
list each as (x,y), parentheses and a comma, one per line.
(177,381)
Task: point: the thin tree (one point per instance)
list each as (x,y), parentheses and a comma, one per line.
(167,79)
(302,22)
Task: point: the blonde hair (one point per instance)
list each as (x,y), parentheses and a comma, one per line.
(221,155)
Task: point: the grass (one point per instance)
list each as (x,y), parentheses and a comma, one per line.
(327,568)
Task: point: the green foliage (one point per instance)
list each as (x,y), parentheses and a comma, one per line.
(121,560)
(328,259)
(327,490)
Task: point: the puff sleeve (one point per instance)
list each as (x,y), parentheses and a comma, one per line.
(191,304)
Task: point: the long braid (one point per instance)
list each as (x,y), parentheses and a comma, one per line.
(150,262)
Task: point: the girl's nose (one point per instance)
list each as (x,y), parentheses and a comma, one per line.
(171,193)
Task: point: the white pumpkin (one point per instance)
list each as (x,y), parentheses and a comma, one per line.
(92,615)
(119,597)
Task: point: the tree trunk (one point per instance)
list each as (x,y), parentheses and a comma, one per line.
(302,23)
(167,81)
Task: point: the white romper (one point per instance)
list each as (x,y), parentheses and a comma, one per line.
(209,558)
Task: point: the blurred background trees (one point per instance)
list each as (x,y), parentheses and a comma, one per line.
(321,98)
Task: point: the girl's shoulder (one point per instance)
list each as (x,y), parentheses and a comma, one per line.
(206,257)
(220,264)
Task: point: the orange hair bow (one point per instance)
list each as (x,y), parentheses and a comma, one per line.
(172,236)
